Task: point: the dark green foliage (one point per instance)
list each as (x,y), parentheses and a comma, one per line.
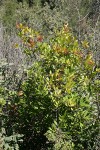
(30,115)
(95,9)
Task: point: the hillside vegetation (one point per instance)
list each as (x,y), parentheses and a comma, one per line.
(49,75)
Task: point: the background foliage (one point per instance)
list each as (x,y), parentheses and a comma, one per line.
(49,80)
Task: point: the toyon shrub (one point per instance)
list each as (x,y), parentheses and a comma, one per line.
(55,108)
